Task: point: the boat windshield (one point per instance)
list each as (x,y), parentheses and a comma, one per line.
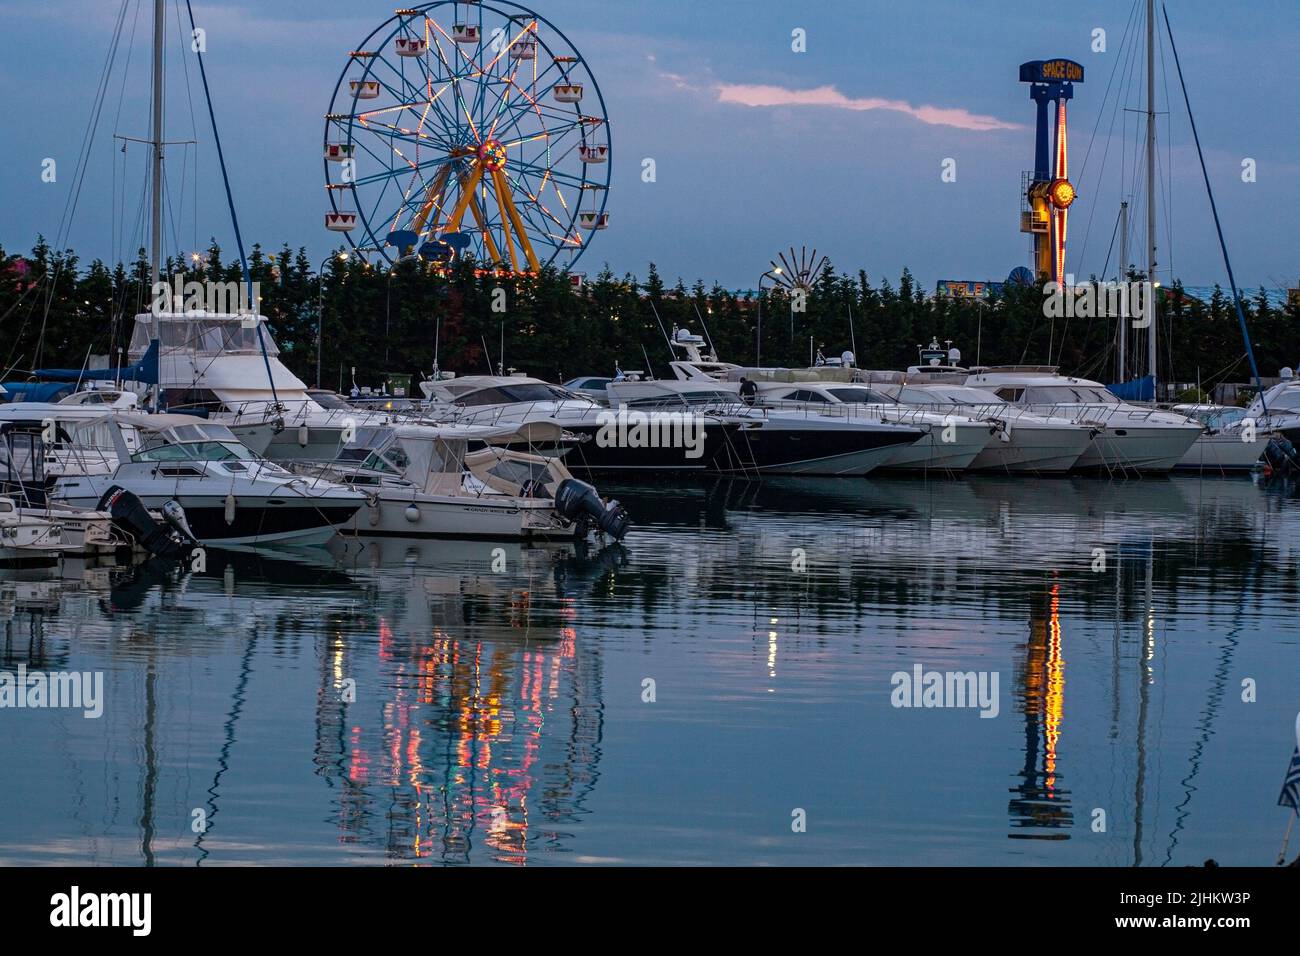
(1287,399)
(862,396)
(195,451)
(522,392)
(206,335)
(1069,395)
(949,395)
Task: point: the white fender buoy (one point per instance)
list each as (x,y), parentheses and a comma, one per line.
(374,512)
(302,436)
(412,514)
(230,508)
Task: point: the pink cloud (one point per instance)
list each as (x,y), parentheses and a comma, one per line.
(750,94)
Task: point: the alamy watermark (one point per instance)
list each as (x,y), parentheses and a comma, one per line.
(62,689)
(957,689)
(1126,300)
(633,429)
(223,298)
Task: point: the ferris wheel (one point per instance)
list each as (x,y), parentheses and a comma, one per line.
(468,128)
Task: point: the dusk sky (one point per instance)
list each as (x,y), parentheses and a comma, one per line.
(756,147)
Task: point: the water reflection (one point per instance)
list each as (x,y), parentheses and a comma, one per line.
(452,702)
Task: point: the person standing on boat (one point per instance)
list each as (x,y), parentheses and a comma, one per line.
(748,390)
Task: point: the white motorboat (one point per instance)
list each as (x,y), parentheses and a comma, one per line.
(497,400)
(778,438)
(950,441)
(28,536)
(1231,440)
(1277,410)
(1129,437)
(228,494)
(466,481)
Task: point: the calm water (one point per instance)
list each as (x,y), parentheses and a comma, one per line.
(498,717)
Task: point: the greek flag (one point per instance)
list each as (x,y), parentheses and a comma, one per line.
(1291,787)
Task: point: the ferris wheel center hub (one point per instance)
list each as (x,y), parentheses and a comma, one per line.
(492,155)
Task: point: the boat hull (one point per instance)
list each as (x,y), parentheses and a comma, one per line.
(809,447)
(1034,450)
(1144,449)
(1223,452)
(277,518)
(932,453)
(455,517)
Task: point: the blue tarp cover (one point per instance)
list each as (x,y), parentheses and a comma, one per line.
(1139,390)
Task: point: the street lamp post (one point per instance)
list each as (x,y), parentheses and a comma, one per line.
(758,345)
(320,307)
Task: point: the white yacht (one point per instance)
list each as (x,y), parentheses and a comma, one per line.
(1129,437)
(499,400)
(946,442)
(1226,444)
(779,438)
(229,495)
(1278,409)
(466,481)
(1022,442)
(212,365)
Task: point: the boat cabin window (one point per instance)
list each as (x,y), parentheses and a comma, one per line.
(697,397)
(328,399)
(806,395)
(6,506)
(1010,393)
(195,400)
(861,396)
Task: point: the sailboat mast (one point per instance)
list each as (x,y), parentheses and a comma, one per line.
(155,224)
(1123,277)
(1151,184)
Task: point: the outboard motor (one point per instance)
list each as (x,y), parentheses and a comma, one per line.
(175,516)
(577,500)
(130,515)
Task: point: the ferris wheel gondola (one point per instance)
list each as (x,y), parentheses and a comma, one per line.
(468,129)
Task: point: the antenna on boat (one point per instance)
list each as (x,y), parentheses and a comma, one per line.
(437,335)
(672,356)
(853,345)
(704,325)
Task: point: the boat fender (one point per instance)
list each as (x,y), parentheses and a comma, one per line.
(302,436)
(412,514)
(230,508)
(374,512)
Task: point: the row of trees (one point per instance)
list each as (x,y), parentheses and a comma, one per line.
(56,312)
